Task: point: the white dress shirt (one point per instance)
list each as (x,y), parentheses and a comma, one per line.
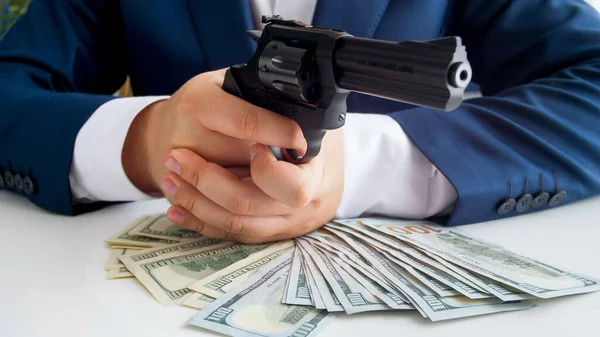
(385,173)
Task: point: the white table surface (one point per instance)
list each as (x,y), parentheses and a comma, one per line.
(53,283)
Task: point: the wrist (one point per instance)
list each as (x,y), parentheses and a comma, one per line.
(140,150)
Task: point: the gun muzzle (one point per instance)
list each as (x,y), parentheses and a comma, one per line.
(431,73)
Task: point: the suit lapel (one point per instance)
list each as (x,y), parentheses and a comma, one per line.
(221,29)
(357,17)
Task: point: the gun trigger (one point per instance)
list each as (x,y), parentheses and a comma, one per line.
(254,34)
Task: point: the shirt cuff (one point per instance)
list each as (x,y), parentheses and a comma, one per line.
(386,174)
(97,172)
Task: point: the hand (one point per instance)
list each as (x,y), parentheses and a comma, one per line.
(202,117)
(275,200)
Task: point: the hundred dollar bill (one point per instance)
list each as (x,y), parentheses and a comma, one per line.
(159,227)
(287,281)
(297,291)
(495,288)
(222,281)
(332,303)
(437,280)
(358,270)
(150,253)
(123,238)
(434,307)
(351,294)
(382,265)
(432,277)
(443,308)
(254,308)
(120,272)
(285,291)
(455,280)
(127,247)
(472,286)
(313,290)
(390,298)
(195,300)
(437,287)
(331,243)
(113,260)
(344,251)
(491,261)
(167,277)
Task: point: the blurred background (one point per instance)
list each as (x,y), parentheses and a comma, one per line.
(11,10)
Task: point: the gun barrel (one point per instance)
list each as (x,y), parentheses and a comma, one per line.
(431,73)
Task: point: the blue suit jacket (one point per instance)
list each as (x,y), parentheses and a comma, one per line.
(537,62)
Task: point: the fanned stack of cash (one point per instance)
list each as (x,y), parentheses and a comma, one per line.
(294,288)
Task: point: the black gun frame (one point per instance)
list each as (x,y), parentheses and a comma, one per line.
(291,74)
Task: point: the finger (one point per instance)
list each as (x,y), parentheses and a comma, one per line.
(240,171)
(189,221)
(294,185)
(234,117)
(217,77)
(225,150)
(182,217)
(180,192)
(223,187)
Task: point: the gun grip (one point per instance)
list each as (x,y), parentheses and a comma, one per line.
(230,84)
(313,137)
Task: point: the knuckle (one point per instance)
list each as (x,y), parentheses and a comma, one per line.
(301,197)
(185,200)
(234,224)
(183,106)
(230,237)
(247,124)
(199,226)
(317,204)
(201,175)
(189,204)
(193,176)
(238,205)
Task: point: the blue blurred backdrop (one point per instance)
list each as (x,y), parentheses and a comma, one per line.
(10,11)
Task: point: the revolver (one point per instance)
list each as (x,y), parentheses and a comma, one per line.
(306,73)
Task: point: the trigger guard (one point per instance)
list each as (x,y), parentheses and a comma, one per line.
(292,156)
(288,155)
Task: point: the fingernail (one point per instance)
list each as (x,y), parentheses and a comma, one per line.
(175,217)
(168,187)
(173,165)
(252,152)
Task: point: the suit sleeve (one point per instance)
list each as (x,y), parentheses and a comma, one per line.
(58,64)
(537,128)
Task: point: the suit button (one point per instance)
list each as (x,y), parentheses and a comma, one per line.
(9,180)
(540,200)
(524,202)
(507,206)
(28,186)
(18,183)
(1,181)
(557,199)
